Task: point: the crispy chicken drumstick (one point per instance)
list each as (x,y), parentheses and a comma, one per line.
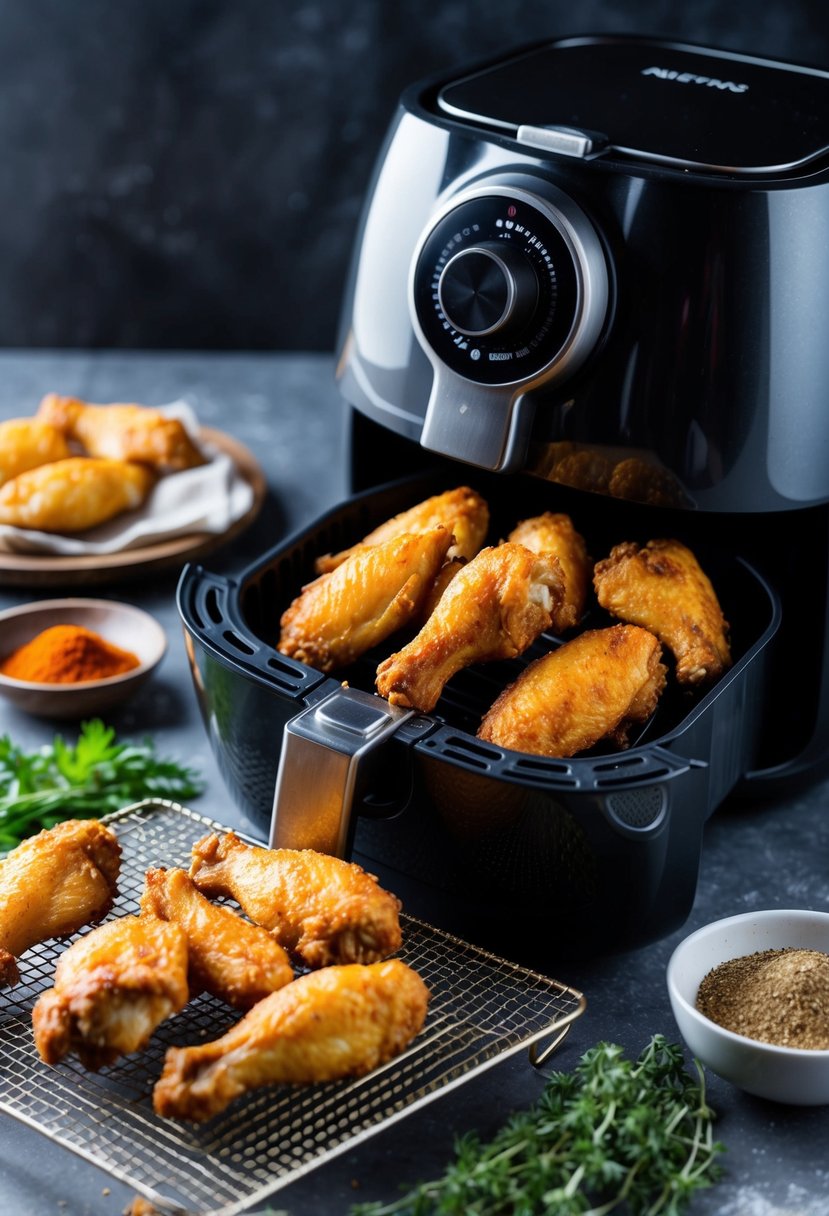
(239,962)
(113,987)
(593,687)
(461,511)
(663,588)
(53,884)
(494,608)
(339,1022)
(321,909)
(371,594)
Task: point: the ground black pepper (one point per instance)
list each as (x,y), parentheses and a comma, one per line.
(774,996)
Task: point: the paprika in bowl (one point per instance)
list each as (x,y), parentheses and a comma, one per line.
(750,995)
(70,658)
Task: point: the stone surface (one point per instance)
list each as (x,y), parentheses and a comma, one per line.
(774,854)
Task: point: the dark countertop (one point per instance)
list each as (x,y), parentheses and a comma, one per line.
(286,409)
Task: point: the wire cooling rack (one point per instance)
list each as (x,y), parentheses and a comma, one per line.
(482,1009)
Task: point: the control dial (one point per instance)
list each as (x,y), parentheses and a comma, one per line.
(509,284)
(488,289)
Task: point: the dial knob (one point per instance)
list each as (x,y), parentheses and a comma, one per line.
(488,288)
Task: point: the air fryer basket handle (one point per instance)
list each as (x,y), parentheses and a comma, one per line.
(326,754)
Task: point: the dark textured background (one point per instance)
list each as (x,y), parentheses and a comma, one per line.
(189,173)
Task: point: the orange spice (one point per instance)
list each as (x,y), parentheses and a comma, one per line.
(67,654)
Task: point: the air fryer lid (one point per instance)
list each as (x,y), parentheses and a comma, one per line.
(655,101)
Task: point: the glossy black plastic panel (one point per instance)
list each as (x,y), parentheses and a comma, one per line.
(712,374)
(657,101)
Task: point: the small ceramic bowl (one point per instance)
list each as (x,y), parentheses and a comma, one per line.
(783,1074)
(121,624)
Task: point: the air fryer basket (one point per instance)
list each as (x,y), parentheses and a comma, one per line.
(596,852)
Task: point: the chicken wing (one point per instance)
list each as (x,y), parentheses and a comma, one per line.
(593,687)
(123,432)
(494,608)
(554,533)
(321,909)
(26,443)
(239,962)
(461,511)
(53,884)
(371,594)
(113,987)
(340,1022)
(663,588)
(73,495)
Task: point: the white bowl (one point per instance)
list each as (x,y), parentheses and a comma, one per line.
(783,1074)
(122,624)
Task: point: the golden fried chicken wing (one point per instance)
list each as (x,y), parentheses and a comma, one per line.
(374,592)
(494,608)
(53,884)
(73,495)
(113,987)
(641,481)
(583,469)
(662,587)
(591,688)
(123,432)
(26,443)
(321,909)
(461,511)
(228,956)
(340,1022)
(553,532)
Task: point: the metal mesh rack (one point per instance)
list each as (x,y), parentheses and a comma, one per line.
(482,1009)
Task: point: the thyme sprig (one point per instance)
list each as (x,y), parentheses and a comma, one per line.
(613,1134)
(98,774)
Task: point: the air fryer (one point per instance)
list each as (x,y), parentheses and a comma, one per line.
(591,278)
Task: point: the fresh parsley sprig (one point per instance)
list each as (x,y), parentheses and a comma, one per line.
(613,1134)
(98,774)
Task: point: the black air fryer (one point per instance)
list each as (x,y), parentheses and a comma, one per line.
(592,277)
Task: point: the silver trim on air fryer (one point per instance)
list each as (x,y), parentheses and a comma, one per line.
(454,424)
(328,747)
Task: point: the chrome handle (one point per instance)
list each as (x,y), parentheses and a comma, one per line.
(325,760)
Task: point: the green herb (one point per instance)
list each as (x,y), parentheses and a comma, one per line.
(613,1132)
(99,774)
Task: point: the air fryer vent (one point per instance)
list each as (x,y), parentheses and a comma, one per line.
(209,611)
(637,808)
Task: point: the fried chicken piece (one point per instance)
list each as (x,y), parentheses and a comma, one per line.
(123,432)
(553,532)
(113,987)
(340,1022)
(73,495)
(663,588)
(53,884)
(371,594)
(590,688)
(440,582)
(228,956)
(494,608)
(26,443)
(639,481)
(321,909)
(583,469)
(461,511)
